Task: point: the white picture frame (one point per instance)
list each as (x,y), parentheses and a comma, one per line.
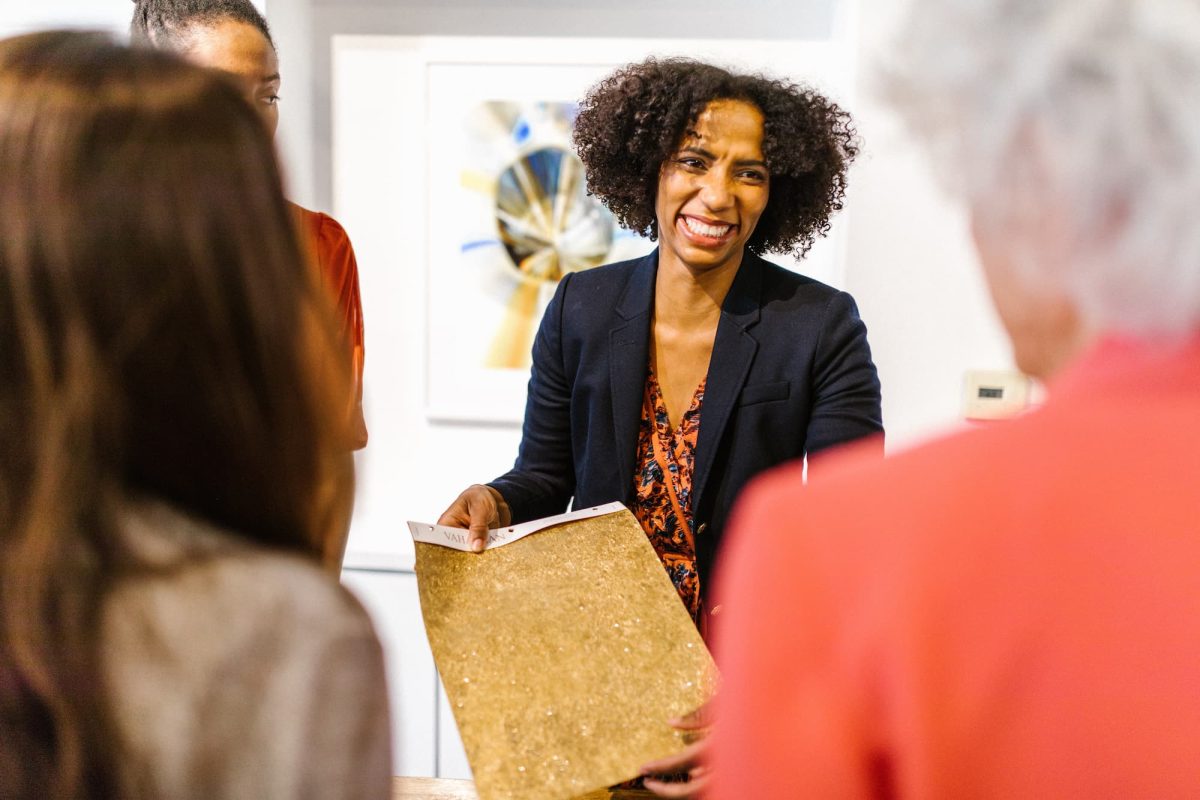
(440,79)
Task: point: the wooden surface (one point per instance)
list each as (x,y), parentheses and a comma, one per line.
(446,789)
(432,789)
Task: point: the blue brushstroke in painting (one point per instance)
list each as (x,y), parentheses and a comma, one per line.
(467,246)
(521,131)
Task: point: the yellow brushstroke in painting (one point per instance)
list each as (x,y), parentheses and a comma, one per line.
(510,348)
(512,343)
(474,181)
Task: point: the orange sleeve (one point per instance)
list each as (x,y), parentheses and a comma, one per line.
(330,248)
(340,271)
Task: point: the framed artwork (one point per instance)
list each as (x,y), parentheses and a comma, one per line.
(498,193)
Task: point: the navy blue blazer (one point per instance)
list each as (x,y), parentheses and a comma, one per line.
(790,374)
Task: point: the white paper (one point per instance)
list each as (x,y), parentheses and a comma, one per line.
(457,538)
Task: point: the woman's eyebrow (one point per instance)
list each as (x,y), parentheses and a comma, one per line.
(700,151)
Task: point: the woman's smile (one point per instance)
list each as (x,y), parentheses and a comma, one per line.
(706,232)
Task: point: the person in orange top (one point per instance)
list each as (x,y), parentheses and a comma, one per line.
(330,250)
(1009,611)
(232,36)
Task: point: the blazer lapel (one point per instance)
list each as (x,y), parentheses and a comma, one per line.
(733,352)
(628,360)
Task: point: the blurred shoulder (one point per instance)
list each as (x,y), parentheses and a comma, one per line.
(193,576)
(913,499)
(214,648)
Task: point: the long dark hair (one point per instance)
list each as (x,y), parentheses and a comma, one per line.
(160,337)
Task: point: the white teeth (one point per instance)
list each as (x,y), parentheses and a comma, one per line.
(714,231)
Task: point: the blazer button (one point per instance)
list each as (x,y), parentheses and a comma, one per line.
(715,610)
(703,527)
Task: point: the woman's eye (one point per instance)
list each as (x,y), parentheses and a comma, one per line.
(271,99)
(691,162)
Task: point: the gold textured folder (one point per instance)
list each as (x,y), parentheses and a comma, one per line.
(563,655)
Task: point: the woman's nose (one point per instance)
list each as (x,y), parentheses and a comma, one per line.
(716,191)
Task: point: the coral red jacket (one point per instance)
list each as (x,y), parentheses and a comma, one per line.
(1010,612)
(330,248)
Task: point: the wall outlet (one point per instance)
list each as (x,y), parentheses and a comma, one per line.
(991,394)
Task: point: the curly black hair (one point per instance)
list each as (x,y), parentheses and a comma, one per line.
(164,23)
(631,122)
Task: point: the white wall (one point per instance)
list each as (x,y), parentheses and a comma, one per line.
(17,16)
(305,129)
(910,263)
(391,600)
(22,17)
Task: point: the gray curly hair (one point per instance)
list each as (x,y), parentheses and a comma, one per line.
(1078,115)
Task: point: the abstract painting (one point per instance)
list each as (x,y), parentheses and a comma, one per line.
(510,215)
(543,223)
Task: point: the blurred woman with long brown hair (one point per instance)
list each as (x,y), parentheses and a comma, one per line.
(234,37)
(167,435)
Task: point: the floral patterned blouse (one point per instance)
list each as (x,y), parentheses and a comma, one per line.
(663,482)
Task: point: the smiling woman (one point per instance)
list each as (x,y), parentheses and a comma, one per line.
(669,381)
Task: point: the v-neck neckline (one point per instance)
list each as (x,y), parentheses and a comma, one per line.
(657,400)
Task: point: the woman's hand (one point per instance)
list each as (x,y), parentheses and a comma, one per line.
(691,760)
(478,509)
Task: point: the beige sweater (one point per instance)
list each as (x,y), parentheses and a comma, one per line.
(237,672)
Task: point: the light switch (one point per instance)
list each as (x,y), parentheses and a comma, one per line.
(992,394)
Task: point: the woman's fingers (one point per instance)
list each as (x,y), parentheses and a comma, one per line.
(694,787)
(457,515)
(682,761)
(476,510)
(699,719)
(688,760)
(484,515)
